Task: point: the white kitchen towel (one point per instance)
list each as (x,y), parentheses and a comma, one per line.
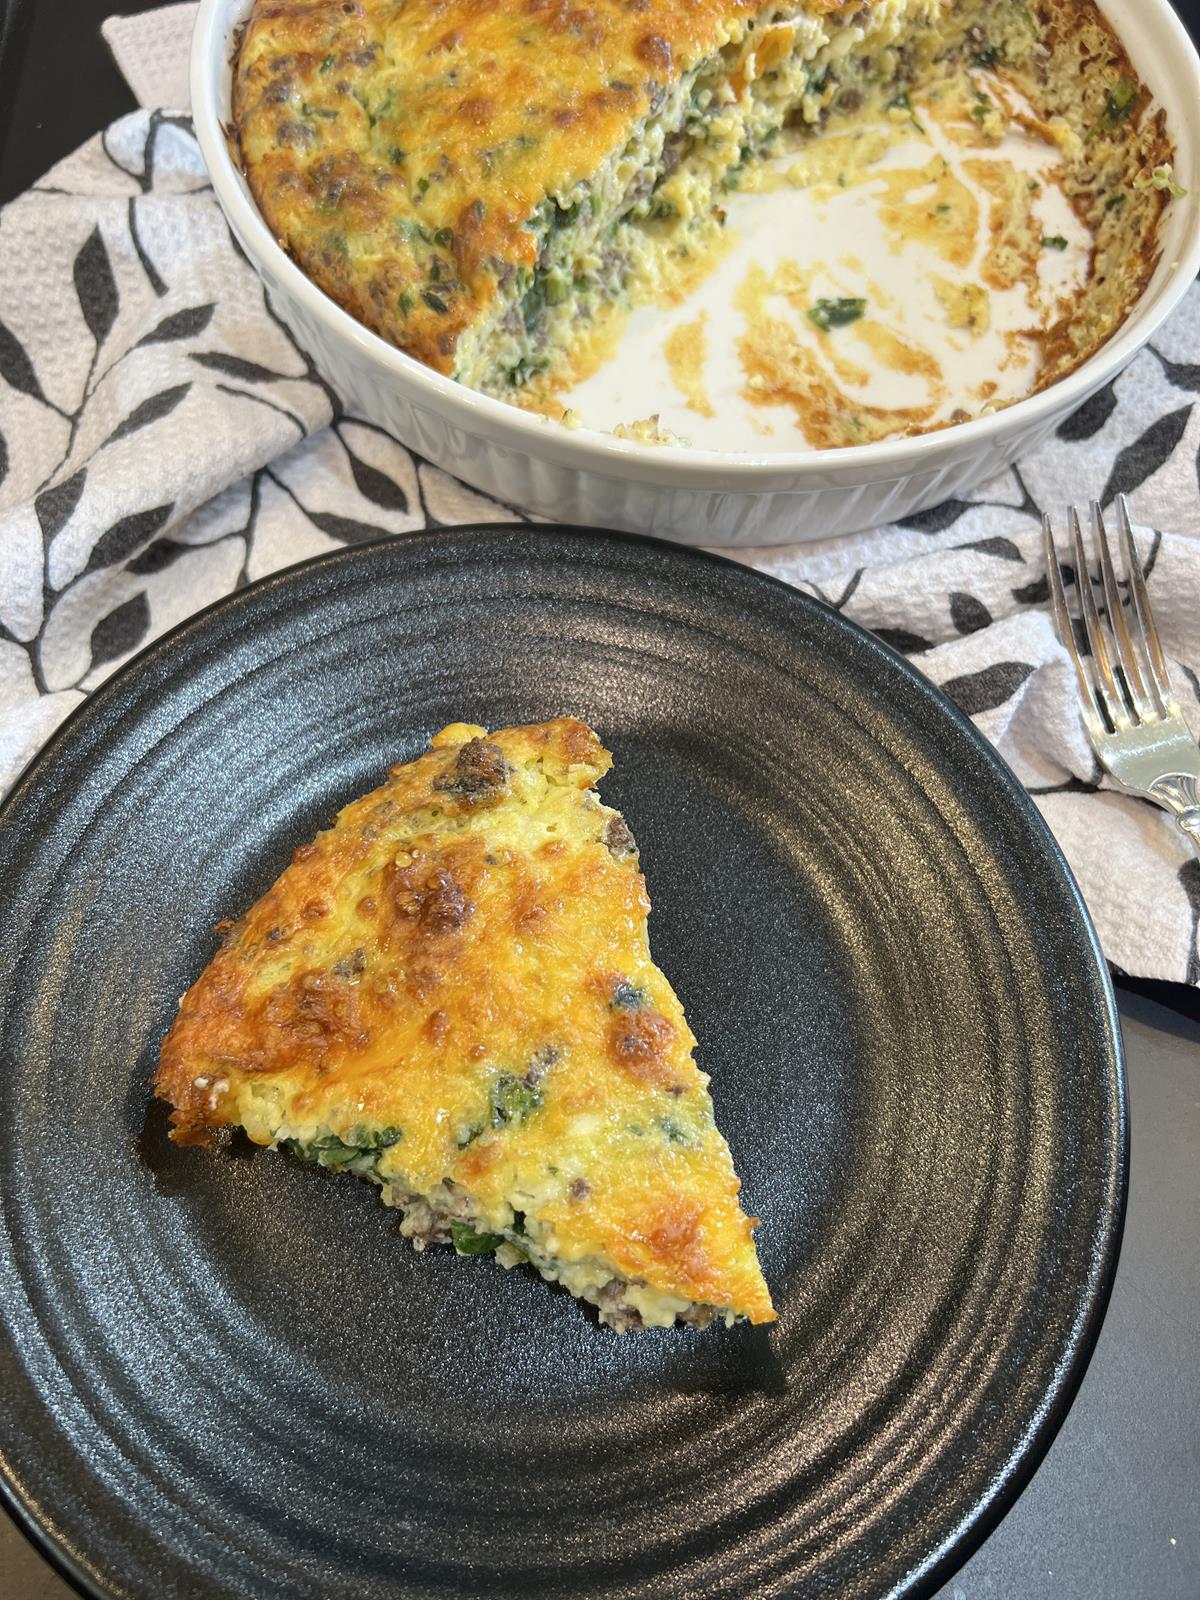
(151,49)
(163,441)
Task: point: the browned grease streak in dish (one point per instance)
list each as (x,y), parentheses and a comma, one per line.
(929,205)
(781,370)
(1015,234)
(686,348)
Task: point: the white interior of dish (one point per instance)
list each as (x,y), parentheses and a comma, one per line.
(1163,56)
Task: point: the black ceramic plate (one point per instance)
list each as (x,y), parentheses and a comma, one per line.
(225,1374)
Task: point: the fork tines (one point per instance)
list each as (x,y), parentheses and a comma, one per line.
(1121,668)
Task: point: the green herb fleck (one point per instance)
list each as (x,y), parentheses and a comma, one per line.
(828,314)
(1053,241)
(328,64)
(899,102)
(1115,201)
(986,57)
(1161,178)
(444,237)
(422,185)
(469,1243)
(396,155)
(1121,100)
(327,112)
(434,301)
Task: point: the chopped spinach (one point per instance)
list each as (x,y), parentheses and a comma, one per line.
(358,1152)
(1053,241)
(375,1138)
(829,314)
(987,56)
(434,301)
(513,1100)
(526,368)
(469,1243)
(444,237)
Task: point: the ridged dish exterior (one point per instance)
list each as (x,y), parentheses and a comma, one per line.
(573,477)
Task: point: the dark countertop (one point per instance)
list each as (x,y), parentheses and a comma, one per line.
(1113,1511)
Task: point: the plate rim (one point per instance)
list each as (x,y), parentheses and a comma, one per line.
(1018,1472)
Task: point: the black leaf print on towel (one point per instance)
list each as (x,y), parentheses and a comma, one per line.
(16,368)
(1189,879)
(121,630)
(150,410)
(55,505)
(95,286)
(261,400)
(1037,592)
(1142,459)
(1069,786)
(968,614)
(998,546)
(846,595)
(152,274)
(976,692)
(374,485)
(236,367)
(908,644)
(345,528)
(1091,416)
(157,557)
(1181,373)
(938,518)
(180,325)
(119,542)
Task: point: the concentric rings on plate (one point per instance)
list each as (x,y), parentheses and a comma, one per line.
(226,1375)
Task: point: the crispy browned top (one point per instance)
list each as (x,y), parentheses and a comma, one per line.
(399,148)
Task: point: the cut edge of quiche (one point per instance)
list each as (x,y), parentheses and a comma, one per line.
(450,992)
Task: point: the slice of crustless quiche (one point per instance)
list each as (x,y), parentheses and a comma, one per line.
(450,992)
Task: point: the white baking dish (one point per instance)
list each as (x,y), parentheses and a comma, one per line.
(700,496)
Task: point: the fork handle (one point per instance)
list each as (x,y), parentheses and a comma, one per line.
(1189,823)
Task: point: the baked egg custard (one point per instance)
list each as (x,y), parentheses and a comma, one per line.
(488,185)
(450,992)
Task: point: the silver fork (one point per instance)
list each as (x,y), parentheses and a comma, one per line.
(1130,711)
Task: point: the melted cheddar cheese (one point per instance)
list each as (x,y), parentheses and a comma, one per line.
(451,992)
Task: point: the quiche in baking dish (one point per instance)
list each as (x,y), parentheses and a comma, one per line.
(482,181)
(450,992)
